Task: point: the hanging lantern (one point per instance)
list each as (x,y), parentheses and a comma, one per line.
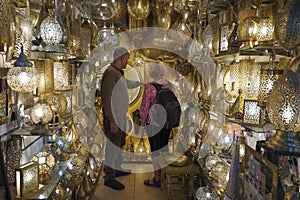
(269,74)
(265,26)
(283,108)
(23,77)
(287,21)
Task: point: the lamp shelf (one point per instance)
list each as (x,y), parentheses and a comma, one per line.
(37,55)
(261,55)
(258,128)
(49,185)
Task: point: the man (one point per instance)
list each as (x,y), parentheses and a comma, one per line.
(115,100)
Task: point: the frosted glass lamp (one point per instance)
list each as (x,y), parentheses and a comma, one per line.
(23,77)
(41,114)
(283,107)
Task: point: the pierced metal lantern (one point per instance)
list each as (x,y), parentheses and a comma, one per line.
(23,77)
(283,107)
(287,21)
(51,32)
(41,113)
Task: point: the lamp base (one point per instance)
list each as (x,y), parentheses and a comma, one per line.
(40,129)
(285,141)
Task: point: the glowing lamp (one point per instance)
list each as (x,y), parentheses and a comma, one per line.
(41,114)
(27,179)
(23,77)
(283,107)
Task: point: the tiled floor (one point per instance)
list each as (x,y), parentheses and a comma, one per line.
(134,186)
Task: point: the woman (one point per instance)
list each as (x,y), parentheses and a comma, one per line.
(158,136)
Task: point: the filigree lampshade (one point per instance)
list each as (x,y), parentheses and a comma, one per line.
(27,178)
(41,114)
(51,32)
(269,74)
(58,103)
(247,31)
(265,26)
(251,112)
(249,78)
(23,77)
(283,107)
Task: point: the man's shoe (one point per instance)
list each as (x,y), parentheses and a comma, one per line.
(124,172)
(114,184)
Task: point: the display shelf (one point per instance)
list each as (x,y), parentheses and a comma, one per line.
(258,128)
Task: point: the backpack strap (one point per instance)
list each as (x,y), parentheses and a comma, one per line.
(159,86)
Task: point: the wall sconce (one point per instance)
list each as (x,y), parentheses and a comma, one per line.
(27,179)
(41,113)
(283,107)
(251,112)
(22,77)
(46,161)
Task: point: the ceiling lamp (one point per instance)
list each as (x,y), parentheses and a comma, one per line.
(23,77)
(283,107)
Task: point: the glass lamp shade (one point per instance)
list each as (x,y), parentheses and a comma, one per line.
(51,31)
(41,113)
(23,77)
(283,104)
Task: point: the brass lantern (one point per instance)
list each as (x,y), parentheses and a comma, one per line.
(23,77)
(41,114)
(247,30)
(283,107)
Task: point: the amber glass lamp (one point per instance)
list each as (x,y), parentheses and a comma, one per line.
(23,77)
(283,107)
